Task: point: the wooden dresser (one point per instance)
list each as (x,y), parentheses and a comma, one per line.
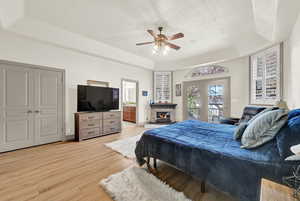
(271,191)
(129,113)
(95,124)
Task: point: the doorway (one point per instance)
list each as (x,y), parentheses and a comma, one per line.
(206,100)
(129,102)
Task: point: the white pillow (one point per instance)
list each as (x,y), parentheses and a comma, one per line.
(293,158)
(295,149)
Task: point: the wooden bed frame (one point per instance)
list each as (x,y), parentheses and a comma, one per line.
(153,170)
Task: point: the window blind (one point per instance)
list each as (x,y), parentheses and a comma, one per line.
(266,76)
(163,87)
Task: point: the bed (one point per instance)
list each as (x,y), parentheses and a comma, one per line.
(209,153)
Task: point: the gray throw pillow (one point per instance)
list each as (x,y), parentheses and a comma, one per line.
(243,125)
(260,113)
(238,133)
(264,128)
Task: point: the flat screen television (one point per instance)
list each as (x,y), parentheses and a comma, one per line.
(97,99)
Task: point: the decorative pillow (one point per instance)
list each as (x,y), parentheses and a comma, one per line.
(295,149)
(264,128)
(294,113)
(293,158)
(288,136)
(240,130)
(261,113)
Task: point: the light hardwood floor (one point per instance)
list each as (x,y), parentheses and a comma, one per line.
(71,171)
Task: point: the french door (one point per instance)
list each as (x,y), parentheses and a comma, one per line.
(206,100)
(31,106)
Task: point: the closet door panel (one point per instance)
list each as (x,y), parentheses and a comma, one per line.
(48,110)
(17,105)
(1,106)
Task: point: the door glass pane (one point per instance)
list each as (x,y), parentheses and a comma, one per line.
(215,103)
(193,102)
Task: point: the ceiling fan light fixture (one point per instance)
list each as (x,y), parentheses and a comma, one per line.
(160,49)
(166,50)
(161,42)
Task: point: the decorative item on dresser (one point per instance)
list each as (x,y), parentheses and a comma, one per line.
(95,124)
(271,191)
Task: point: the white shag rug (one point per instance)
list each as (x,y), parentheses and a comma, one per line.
(136,184)
(125,146)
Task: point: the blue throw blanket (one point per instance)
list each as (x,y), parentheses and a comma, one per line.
(208,152)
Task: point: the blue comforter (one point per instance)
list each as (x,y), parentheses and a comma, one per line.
(208,152)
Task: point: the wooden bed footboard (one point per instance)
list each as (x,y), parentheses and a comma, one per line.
(153,170)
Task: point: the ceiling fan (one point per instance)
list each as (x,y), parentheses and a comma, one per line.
(161,40)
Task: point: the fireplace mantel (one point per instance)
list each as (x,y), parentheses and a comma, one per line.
(163,105)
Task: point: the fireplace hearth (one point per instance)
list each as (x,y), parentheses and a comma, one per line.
(163,113)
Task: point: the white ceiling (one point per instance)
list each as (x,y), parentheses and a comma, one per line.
(208,25)
(211,27)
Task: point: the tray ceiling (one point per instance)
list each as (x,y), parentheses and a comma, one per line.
(210,26)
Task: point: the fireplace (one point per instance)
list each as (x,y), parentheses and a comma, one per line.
(163,117)
(163,113)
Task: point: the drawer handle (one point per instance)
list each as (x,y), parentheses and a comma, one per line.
(91,132)
(90,117)
(91,124)
(112,122)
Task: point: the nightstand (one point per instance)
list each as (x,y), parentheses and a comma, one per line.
(271,191)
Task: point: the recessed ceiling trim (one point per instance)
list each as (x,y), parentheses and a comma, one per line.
(65,39)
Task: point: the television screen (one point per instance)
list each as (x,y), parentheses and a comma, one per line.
(97,99)
(115,99)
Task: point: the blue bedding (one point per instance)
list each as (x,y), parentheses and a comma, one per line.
(208,152)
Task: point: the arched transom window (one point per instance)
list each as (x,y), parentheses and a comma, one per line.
(207,70)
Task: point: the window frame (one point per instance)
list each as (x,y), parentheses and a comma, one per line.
(265,101)
(155,84)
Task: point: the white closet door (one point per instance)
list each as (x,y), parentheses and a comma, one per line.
(48,109)
(16,100)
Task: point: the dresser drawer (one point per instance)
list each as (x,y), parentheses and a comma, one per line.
(111,130)
(111,115)
(109,123)
(90,116)
(96,123)
(90,132)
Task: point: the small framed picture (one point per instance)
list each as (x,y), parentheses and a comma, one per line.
(178,89)
(144,93)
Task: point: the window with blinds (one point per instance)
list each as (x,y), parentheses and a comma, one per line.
(162,87)
(265,77)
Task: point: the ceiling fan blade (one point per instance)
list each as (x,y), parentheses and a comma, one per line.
(146,43)
(171,45)
(151,32)
(176,36)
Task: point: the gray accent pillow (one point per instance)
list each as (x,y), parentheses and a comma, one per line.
(243,125)
(238,133)
(259,114)
(264,128)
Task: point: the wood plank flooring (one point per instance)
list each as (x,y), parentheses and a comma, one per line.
(71,171)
